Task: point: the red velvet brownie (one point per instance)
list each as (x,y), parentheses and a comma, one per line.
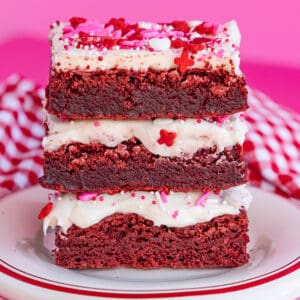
(151,230)
(121,70)
(144,135)
(114,155)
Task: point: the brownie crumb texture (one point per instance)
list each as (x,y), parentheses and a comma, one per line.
(130,166)
(123,94)
(132,241)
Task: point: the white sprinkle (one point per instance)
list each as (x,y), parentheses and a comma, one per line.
(160,44)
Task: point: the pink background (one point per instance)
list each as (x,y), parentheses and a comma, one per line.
(270,34)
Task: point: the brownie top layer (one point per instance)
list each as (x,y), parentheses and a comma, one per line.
(173,210)
(90,45)
(164,137)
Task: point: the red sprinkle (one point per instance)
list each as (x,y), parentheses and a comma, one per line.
(45,211)
(153,202)
(101,198)
(178,43)
(100,58)
(166,137)
(181,26)
(183,62)
(75,21)
(143,197)
(206,28)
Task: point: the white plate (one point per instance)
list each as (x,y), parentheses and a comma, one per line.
(27,263)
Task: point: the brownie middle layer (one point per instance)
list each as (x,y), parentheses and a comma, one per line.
(123,94)
(130,166)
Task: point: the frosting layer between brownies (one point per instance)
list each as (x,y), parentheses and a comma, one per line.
(89,45)
(164,137)
(173,210)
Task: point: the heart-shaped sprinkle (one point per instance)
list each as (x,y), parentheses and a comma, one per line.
(160,44)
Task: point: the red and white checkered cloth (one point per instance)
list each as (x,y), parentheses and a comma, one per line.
(272,146)
(21,133)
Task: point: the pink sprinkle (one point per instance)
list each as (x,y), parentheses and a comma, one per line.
(113,204)
(199,121)
(96,123)
(86,196)
(220,53)
(132,195)
(175,214)
(143,197)
(56,194)
(150,33)
(234,46)
(230,128)
(188,203)
(175,33)
(110,28)
(221,119)
(201,199)
(129,33)
(203,57)
(163,197)
(67,29)
(101,198)
(242,117)
(153,202)
(117,34)
(133,44)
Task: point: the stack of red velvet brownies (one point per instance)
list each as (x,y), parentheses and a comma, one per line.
(144,145)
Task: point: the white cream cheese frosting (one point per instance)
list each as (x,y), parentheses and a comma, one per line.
(191,134)
(155,53)
(174,210)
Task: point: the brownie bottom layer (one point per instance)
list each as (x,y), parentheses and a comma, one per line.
(123,94)
(130,166)
(130,240)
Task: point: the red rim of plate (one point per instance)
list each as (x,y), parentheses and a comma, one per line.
(280,272)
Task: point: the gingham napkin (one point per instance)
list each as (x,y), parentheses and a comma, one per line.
(272,146)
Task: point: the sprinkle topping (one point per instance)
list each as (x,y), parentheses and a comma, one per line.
(201,199)
(184,61)
(163,197)
(175,214)
(45,211)
(117,33)
(160,44)
(87,196)
(166,137)
(75,21)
